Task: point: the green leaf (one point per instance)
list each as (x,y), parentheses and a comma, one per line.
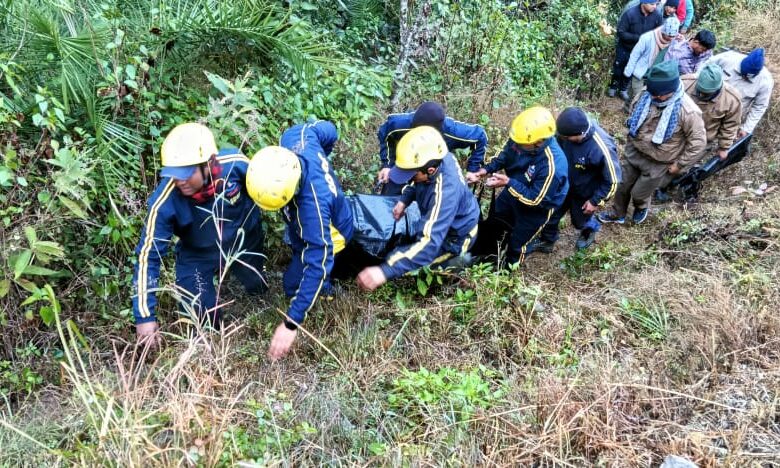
(6,177)
(21,181)
(130,70)
(218,82)
(29,233)
(28,286)
(5,286)
(60,115)
(73,207)
(49,248)
(47,315)
(38,271)
(22,262)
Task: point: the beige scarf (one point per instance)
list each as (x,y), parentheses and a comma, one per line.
(660,44)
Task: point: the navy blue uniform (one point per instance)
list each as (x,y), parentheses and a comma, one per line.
(319,219)
(450,217)
(457,135)
(594,174)
(230,221)
(538,183)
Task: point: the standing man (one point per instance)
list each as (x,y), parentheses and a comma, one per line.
(450,212)
(594,175)
(634,22)
(691,54)
(536,182)
(721,109)
(202,200)
(650,49)
(748,75)
(297,177)
(665,133)
(457,135)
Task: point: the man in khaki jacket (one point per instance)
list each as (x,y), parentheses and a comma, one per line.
(721,110)
(665,133)
(748,75)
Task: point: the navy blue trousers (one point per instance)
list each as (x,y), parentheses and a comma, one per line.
(581,221)
(197,269)
(519,222)
(622,55)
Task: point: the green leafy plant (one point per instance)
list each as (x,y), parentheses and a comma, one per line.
(649,317)
(419,394)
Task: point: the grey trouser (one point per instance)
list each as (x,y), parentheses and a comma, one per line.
(641,176)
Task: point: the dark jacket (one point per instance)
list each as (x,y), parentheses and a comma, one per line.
(457,135)
(538,179)
(172,213)
(633,23)
(594,170)
(317,209)
(450,214)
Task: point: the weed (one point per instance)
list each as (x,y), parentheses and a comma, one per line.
(604,257)
(649,317)
(457,394)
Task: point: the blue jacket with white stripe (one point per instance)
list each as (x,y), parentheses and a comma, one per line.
(450,214)
(318,209)
(536,178)
(594,170)
(172,213)
(457,135)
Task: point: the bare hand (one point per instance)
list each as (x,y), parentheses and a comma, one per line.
(383,175)
(741,133)
(371,278)
(497,180)
(723,154)
(589,208)
(148,334)
(674,168)
(398,210)
(281,342)
(472,177)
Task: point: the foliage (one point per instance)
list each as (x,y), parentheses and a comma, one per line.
(457,394)
(274,434)
(649,317)
(600,257)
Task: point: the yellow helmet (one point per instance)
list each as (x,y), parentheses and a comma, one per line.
(273,176)
(188,144)
(417,148)
(532,125)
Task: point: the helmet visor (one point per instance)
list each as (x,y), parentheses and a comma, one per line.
(401,176)
(178,173)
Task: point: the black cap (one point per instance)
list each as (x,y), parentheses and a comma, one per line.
(572,122)
(429,113)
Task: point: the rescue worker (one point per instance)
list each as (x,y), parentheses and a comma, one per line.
(450,212)
(721,109)
(298,178)
(594,175)
(665,133)
(202,200)
(457,135)
(748,75)
(536,183)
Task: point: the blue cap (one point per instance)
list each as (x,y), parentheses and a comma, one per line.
(401,176)
(752,63)
(178,172)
